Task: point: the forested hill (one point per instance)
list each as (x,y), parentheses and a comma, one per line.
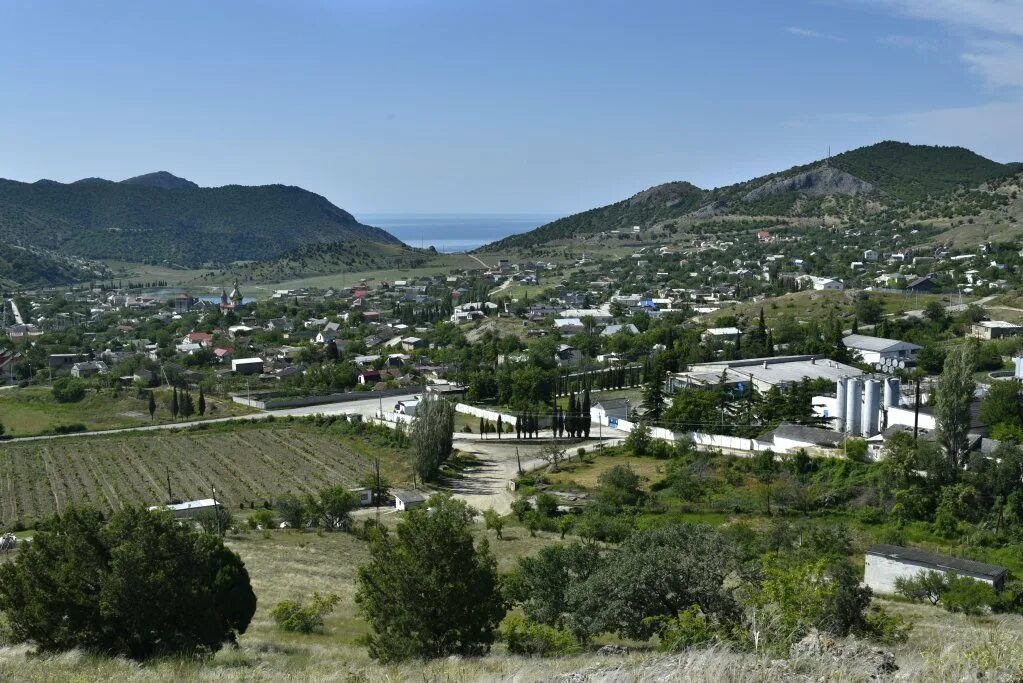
(887,173)
(159,217)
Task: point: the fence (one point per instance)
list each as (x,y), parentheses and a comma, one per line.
(492,415)
(731,443)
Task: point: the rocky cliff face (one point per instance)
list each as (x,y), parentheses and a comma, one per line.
(823,180)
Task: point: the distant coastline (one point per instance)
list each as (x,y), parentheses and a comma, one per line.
(454,232)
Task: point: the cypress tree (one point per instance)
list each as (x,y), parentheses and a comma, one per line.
(174,403)
(202,402)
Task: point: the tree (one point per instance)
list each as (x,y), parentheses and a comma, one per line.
(766,470)
(954,394)
(202,402)
(68,390)
(585,414)
(139,587)
(653,399)
(483,428)
(293,511)
(868,310)
(540,582)
(552,454)
(935,312)
(659,572)
(493,521)
(431,435)
(152,406)
(187,406)
(619,487)
(639,439)
(500,425)
(428,591)
(174,404)
(1003,404)
(331,508)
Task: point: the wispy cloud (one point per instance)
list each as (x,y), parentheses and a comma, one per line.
(993,33)
(810,33)
(908,42)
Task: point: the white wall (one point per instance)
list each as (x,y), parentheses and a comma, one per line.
(880,573)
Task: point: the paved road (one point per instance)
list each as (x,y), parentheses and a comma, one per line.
(367,408)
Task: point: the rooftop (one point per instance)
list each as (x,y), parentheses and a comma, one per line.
(937,561)
(862,342)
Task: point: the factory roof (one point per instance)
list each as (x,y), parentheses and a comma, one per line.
(862,342)
(778,370)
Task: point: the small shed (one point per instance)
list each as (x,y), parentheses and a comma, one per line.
(247,366)
(189,508)
(886,563)
(406,500)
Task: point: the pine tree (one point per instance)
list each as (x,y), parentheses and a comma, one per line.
(653,400)
(152,406)
(483,428)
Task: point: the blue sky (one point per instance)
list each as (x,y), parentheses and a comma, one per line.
(549,106)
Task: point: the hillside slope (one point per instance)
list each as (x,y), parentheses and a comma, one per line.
(161,218)
(887,174)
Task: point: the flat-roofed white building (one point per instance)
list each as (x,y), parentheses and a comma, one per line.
(879,350)
(763,373)
(884,564)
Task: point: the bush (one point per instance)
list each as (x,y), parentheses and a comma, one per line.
(520,508)
(968,596)
(261,519)
(688,629)
(300,618)
(68,390)
(526,637)
(141,586)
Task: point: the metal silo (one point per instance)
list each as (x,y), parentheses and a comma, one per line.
(871,408)
(892,389)
(853,396)
(840,405)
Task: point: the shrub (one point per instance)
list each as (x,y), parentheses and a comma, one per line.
(520,508)
(139,587)
(688,629)
(968,596)
(526,637)
(301,618)
(68,390)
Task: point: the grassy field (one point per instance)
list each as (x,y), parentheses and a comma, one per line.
(292,564)
(587,473)
(814,305)
(246,463)
(33,410)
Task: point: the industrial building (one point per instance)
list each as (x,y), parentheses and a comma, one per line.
(882,353)
(994,329)
(885,563)
(763,373)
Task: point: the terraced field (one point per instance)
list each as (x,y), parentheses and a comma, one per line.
(246,463)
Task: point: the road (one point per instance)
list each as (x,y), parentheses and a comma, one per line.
(15,312)
(367,408)
(952,308)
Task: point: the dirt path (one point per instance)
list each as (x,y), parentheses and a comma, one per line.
(487,484)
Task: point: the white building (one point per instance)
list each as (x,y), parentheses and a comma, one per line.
(763,373)
(406,500)
(247,366)
(189,508)
(879,350)
(823,283)
(721,334)
(886,563)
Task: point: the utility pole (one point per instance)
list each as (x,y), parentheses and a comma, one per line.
(916,413)
(376,493)
(170,496)
(216,510)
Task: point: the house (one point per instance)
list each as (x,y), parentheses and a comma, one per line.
(885,563)
(406,500)
(363,493)
(922,284)
(994,329)
(871,255)
(610,409)
(200,338)
(567,355)
(721,334)
(247,366)
(59,361)
(412,343)
(764,236)
(370,377)
(407,407)
(823,283)
(189,508)
(879,350)
(88,369)
(611,330)
(280,325)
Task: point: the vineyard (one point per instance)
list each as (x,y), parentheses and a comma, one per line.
(247,464)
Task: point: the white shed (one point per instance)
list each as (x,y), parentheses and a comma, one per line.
(406,500)
(886,563)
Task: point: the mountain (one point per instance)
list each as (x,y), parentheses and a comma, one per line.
(161,179)
(32,267)
(887,174)
(161,218)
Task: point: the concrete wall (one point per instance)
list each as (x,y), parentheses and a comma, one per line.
(279,402)
(880,573)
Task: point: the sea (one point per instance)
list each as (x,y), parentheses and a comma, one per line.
(451,233)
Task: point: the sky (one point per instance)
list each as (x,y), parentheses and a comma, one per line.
(495,106)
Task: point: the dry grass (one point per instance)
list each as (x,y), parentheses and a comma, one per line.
(586,474)
(943,647)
